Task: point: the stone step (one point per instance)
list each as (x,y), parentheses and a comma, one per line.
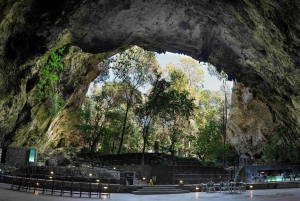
(161,186)
(159,189)
(159,192)
(150,190)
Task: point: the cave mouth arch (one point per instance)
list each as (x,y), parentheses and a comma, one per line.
(226,35)
(249,41)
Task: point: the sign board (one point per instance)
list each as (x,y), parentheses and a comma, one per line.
(32,154)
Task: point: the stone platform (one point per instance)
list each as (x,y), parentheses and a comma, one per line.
(290,194)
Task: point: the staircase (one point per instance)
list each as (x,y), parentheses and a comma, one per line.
(158,189)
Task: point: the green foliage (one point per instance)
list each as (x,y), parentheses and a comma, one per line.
(134,68)
(69,150)
(209,141)
(50,73)
(99,119)
(59,103)
(171,112)
(213,71)
(102,56)
(170,103)
(86,165)
(71,166)
(209,107)
(171,108)
(209,145)
(279,149)
(71,50)
(160,159)
(7,168)
(135,65)
(187,75)
(274,149)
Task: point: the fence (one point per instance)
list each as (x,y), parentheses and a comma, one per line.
(203,178)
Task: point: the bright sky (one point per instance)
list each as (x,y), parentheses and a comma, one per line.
(210,82)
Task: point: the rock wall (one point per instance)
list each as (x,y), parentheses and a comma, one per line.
(255,42)
(251,123)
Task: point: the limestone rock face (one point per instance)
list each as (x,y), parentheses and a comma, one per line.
(255,42)
(251,124)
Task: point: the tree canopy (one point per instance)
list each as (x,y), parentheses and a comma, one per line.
(121,116)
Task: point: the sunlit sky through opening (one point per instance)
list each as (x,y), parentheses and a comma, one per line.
(210,82)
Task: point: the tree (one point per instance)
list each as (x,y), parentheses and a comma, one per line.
(150,109)
(91,123)
(135,68)
(84,117)
(144,117)
(226,94)
(279,149)
(194,74)
(209,143)
(93,115)
(188,75)
(172,107)
(225,90)
(179,107)
(112,132)
(210,107)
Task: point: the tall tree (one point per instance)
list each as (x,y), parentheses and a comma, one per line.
(208,143)
(93,115)
(225,90)
(151,108)
(135,68)
(188,76)
(172,107)
(226,94)
(91,122)
(193,71)
(210,107)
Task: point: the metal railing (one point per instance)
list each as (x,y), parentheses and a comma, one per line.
(203,178)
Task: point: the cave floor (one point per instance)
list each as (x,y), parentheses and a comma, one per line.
(289,194)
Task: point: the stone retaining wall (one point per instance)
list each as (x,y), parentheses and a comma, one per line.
(163,175)
(142,171)
(17,156)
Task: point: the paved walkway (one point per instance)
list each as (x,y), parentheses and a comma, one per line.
(290,194)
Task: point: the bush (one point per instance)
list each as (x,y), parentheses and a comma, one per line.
(86,165)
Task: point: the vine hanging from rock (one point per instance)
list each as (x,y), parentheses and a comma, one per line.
(50,73)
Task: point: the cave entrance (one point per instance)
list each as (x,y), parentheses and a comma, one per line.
(183,72)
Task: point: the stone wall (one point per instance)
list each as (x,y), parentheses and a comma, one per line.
(189,174)
(164,174)
(142,171)
(17,156)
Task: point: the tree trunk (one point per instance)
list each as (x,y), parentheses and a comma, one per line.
(124,128)
(173,157)
(144,145)
(143,152)
(94,144)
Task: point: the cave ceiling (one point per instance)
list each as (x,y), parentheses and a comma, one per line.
(255,42)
